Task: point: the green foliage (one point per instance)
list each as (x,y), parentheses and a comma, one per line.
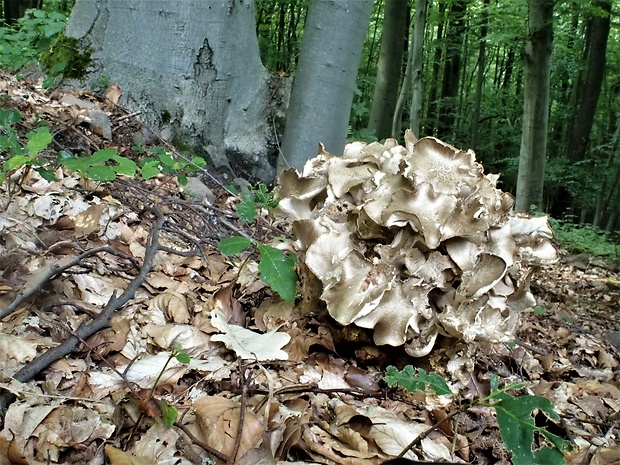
(8,136)
(257,197)
(416,379)
(517,426)
(66,58)
(169,413)
(234,245)
(585,238)
(360,108)
(514,415)
(32,36)
(60,6)
(279,29)
(161,161)
(276,268)
(102,166)
(17,155)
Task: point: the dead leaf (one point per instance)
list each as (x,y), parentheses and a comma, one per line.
(248,344)
(218,419)
(118,457)
(113,93)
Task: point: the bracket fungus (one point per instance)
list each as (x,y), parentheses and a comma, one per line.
(414,242)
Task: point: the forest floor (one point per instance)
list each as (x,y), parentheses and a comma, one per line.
(118,312)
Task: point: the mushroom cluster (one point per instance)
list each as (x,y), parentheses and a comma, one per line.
(414,242)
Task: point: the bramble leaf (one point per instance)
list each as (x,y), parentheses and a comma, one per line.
(182,179)
(150,169)
(169,413)
(278,270)
(48,175)
(101,156)
(16,162)
(416,380)
(125,166)
(38,139)
(233,245)
(517,427)
(247,210)
(9,116)
(101,173)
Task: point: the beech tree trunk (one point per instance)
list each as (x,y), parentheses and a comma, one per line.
(193,68)
(419,24)
(598,30)
(433,83)
(15,9)
(536,105)
(397,129)
(479,76)
(324,83)
(452,67)
(389,69)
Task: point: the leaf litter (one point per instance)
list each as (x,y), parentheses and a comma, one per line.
(101,283)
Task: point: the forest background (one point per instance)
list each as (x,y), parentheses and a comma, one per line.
(465,83)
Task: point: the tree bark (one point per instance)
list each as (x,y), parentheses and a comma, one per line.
(537,72)
(419,24)
(389,69)
(324,83)
(452,66)
(193,68)
(599,32)
(402,95)
(15,9)
(433,104)
(480,76)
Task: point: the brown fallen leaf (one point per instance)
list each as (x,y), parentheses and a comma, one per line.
(118,457)
(218,419)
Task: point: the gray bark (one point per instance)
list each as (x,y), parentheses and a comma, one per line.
(324,83)
(452,67)
(419,24)
(193,68)
(536,105)
(582,126)
(480,76)
(397,130)
(388,69)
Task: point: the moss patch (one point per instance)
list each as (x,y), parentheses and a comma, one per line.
(66,57)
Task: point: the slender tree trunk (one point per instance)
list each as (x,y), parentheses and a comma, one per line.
(324,83)
(402,95)
(603,201)
(536,105)
(599,32)
(416,64)
(452,67)
(480,76)
(280,62)
(433,107)
(510,64)
(15,9)
(388,69)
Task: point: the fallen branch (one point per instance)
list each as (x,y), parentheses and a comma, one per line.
(101,321)
(53,271)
